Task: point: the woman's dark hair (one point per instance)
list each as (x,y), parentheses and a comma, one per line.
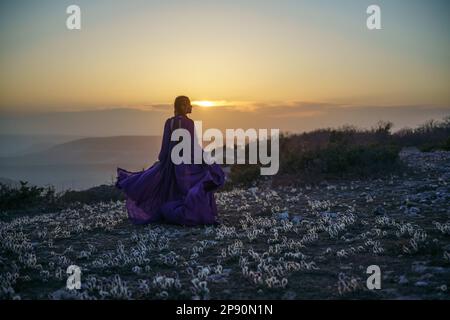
(180,101)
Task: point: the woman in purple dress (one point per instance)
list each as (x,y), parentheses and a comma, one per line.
(174,193)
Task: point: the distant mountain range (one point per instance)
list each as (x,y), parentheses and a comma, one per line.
(77,164)
(20,144)
(82,163)
(137,150)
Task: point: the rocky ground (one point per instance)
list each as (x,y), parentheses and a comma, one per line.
(313,242)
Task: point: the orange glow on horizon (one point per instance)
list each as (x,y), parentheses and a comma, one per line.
(209,104)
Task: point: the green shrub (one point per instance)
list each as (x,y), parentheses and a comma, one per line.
(244,174)
(430,136)
(446,145)
(330,153)
(33,199)
(339,160)
(103,193)
(27,197)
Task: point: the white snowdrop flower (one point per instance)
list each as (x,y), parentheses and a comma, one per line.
(137,269)
(447,256)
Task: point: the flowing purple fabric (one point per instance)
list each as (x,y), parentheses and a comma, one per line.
(179,194)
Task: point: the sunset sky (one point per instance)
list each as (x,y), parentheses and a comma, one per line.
(242,55)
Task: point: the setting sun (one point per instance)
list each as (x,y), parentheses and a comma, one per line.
(204,103)
(208,103)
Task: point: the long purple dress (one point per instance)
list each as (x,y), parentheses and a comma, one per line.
(179,194)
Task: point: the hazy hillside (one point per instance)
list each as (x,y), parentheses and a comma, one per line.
(108,150)
(82,163)
(20,144)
